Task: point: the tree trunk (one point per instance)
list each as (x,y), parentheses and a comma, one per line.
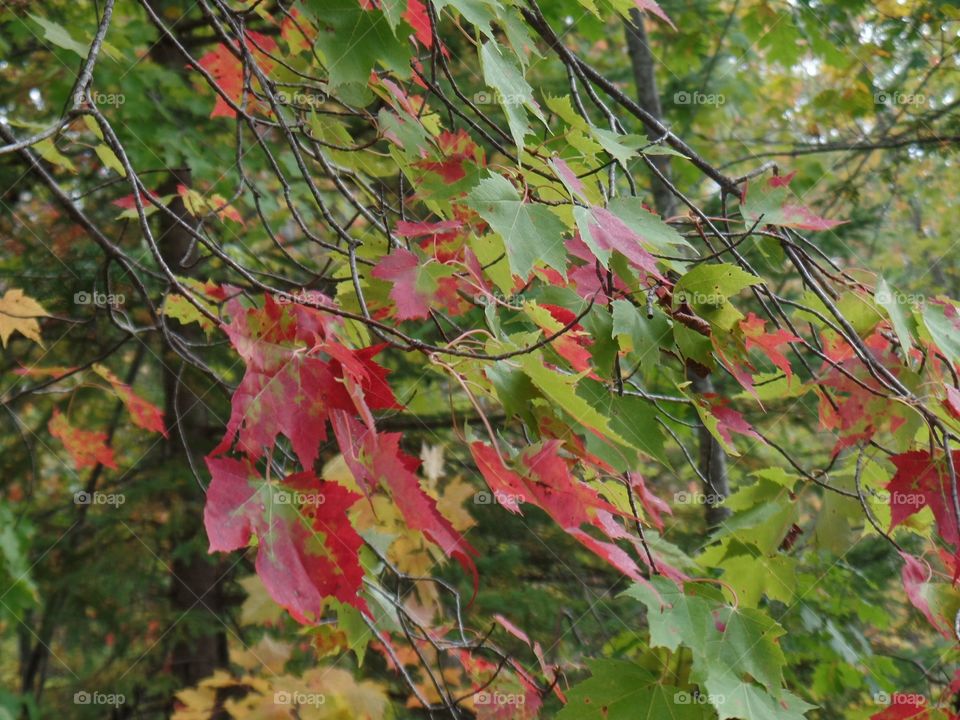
(712,460)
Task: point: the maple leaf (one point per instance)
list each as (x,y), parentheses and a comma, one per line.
(604,232)
(922,481)
(294,378)
(401,268)
(87,448)
(307,550)
(143,412)
(19,313)
(756,336)
(227,70)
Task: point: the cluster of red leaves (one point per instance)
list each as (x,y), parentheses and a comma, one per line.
(298,379)
(542,477)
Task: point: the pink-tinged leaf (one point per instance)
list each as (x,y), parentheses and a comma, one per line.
(729,421)
(952,401)
(921,481)
(781,180)
(567,176)
(756,336)
(307,549)
(402,268)
(773,204)
(607,233)
(86,448)
(652,6)
(417,17)
(655,506)
(915,575)
(512,629)
(419,229)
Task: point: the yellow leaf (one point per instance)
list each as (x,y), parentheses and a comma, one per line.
(18,313)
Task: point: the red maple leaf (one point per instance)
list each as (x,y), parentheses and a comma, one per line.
(307,548)
(227,70)
(143,412)
(294,378)
(923,481)
(756,337)
(402,268)
(416,15)
(87,448)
